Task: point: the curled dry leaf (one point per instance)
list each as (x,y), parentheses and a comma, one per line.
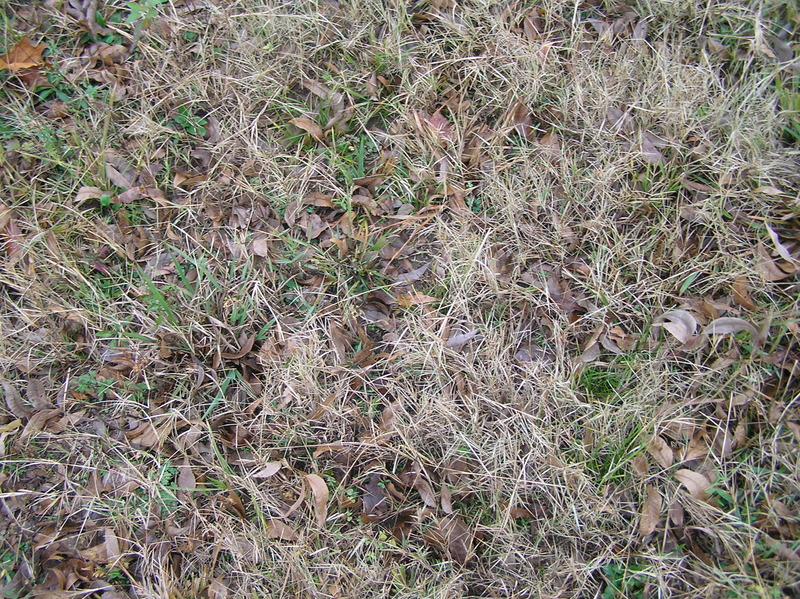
(459,340)
(729,325)
(696,483)
(680,323)
(320,493)
(413,276)
(741,294)
(651,512)
(268,470)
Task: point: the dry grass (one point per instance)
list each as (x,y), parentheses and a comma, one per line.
(263,374)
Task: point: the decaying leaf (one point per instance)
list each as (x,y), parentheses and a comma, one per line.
(651,512)
(662,453)
(217,589)
(453,535)
(14,401)
(24,55)
(374,501)
(696,483)
(37,395)
(320,493)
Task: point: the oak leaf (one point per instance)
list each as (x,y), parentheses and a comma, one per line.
(23,55)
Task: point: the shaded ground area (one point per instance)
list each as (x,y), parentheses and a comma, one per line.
(399,299)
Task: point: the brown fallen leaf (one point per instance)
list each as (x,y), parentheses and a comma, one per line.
(186,478)
(447,499)
(767,267)
(650,152)
(640,465)
(309,126)
(695,482)
(453,535)
(88,193)
(23,55)
(14,401)
(320,493)
(415,299)
(651,512)
(278,529)
(676,514)
(413,477)
(662,453)
(741,294)
(217,589)
(375,503)
(245,349)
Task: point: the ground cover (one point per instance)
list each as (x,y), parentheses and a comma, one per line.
(399,299)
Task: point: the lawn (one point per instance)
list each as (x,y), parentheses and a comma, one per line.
(342,299)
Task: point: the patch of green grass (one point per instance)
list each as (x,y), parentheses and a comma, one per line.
(623,581)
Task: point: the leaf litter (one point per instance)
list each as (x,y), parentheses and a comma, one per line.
(226,302)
